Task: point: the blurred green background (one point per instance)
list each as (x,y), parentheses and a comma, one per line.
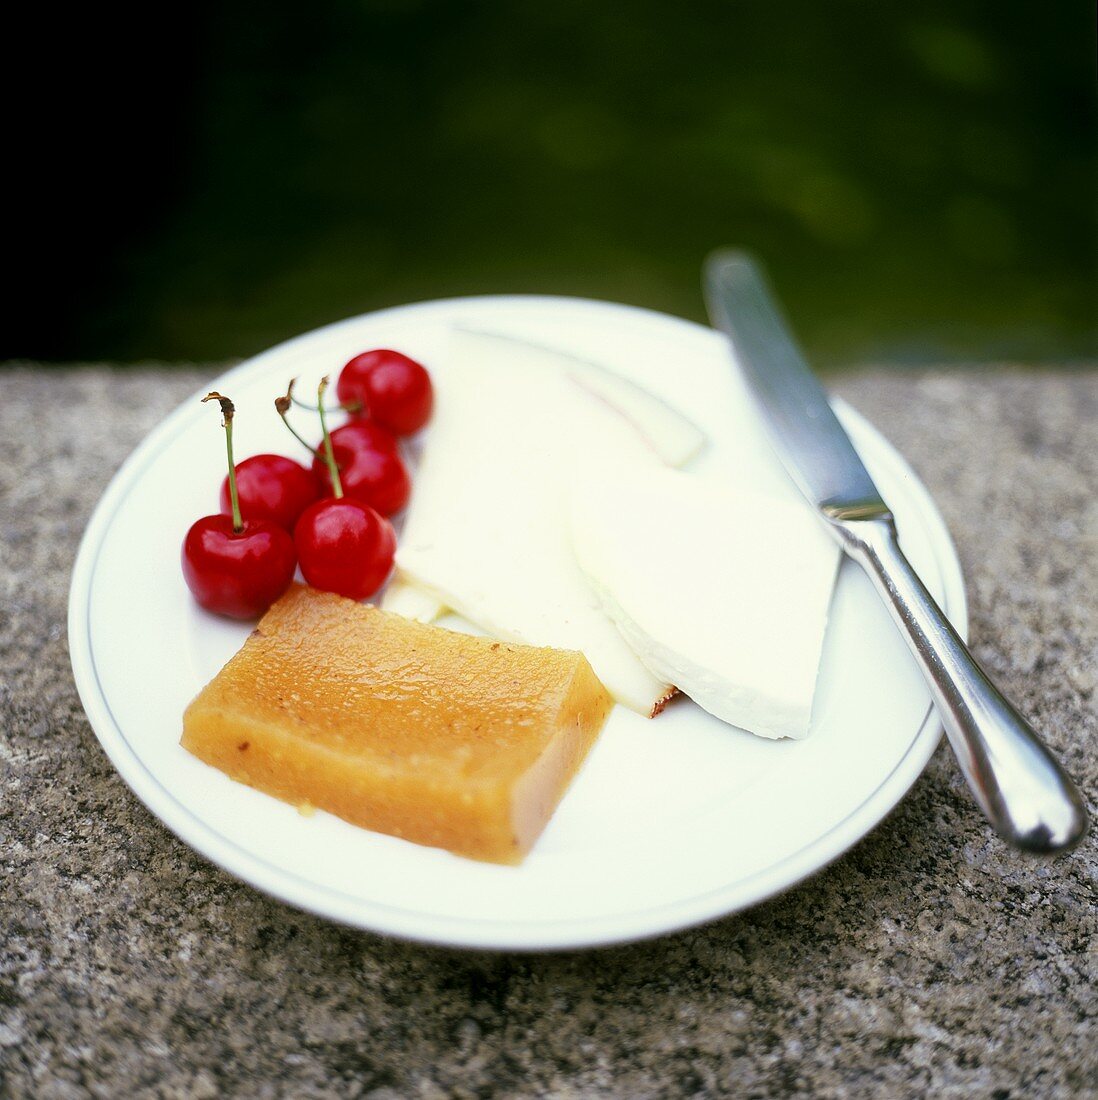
(920,177)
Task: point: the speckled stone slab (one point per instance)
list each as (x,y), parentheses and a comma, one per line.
(928,961)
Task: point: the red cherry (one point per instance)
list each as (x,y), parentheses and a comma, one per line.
(235,566)
(271,487)
(237,573)
(389,388)
(370,467)
(344,546)
(365,433)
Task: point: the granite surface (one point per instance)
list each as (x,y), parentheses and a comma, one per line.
(930,960)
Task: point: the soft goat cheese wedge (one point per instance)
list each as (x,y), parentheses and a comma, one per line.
(720,591)
(671,435)
(402,597)
(674,437)
(487,531)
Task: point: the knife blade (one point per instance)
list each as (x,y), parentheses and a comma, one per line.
(1016,781)
(808,437)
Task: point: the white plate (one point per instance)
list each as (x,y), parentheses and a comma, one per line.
(670,822)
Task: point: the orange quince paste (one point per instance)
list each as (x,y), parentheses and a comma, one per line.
(435,736)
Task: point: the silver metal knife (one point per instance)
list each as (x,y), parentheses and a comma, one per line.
(1018,784)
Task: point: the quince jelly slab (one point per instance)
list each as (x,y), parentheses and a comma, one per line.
(438,737)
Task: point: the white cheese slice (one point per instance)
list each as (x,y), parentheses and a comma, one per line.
(407,599)
(487,529)
(718,590)
(672,435)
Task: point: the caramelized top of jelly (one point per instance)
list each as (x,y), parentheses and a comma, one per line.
(367,682)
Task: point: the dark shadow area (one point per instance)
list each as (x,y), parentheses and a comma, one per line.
(919,179)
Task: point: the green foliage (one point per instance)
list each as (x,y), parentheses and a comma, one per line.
(918,177)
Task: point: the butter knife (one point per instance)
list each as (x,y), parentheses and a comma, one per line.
(1018,784)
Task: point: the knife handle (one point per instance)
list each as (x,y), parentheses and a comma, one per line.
(1018,784)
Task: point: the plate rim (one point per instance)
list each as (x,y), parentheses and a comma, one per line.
(483,933)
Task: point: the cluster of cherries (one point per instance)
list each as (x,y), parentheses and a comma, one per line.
(330,517)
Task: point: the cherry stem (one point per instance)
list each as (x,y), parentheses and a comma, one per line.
(227,412)
(282,405)
(346,406)
(329,454)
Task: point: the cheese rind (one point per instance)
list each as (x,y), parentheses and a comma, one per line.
(718,590)
(438,737)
